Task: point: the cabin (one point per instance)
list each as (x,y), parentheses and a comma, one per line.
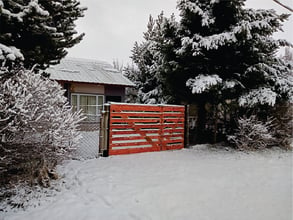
(89,84)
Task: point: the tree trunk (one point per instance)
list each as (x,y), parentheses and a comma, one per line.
(201,123)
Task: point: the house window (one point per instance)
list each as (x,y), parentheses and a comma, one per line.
(91,105)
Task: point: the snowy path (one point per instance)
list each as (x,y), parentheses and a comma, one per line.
(199,184)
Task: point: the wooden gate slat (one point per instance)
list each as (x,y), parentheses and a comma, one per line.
(135,128)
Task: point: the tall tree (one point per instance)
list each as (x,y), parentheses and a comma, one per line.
(149,57)
(224,53)
(40,30)
(232,54)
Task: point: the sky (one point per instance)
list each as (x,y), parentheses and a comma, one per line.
(111,27)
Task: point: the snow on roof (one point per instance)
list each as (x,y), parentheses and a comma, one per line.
(88,71)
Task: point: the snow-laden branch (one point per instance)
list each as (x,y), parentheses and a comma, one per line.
(202,83)
(207,17)
(254,22)
(33,5)
(258,96)
(10,53)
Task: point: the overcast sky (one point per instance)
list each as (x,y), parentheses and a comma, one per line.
(112,26)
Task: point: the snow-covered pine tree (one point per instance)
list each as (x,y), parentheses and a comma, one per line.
(40,29)
(148,57)
(227,53)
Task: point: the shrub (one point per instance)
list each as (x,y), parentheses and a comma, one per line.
(283,129)
(37,127)
(252,134)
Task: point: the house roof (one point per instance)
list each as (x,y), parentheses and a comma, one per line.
(87,71)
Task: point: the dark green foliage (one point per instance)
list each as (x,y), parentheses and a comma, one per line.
(42,30)
(219,53)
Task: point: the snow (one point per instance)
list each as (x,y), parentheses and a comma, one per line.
(201,83)
(258,96)
(11,53)
(33,5)
(200,183)
(206,16)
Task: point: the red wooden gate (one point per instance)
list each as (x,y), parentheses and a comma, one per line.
(135,128)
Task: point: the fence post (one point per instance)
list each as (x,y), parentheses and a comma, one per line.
(104,132)
(186,129)
(161,131)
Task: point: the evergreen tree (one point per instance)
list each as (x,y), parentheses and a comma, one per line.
(223,53)
(232,51)
(149,57)
(37,31)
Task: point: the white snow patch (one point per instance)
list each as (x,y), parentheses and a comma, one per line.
(200,183)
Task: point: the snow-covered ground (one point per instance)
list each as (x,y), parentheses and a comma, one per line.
(200,183)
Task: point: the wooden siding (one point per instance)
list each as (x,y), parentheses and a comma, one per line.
(87,88)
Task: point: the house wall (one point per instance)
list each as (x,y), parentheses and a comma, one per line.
(112,93)
(87,88)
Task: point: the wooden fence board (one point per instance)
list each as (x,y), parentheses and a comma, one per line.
(143,128)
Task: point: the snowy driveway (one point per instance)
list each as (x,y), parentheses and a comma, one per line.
(191,184)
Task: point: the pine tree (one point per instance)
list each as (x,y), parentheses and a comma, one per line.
(232,50)
(223,53)
(149,58)
(38,31)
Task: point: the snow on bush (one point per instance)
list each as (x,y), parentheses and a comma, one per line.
(252,134)
(37,126)
(283,125)
(202,83)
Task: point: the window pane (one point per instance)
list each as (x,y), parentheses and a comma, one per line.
(100,103)
(88,105)
(74,102)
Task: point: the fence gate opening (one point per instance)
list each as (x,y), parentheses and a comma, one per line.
(134,128)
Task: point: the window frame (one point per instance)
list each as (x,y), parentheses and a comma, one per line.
(78,108)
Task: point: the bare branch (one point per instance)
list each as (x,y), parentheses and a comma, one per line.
(285,6)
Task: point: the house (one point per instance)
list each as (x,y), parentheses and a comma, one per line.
(89,84)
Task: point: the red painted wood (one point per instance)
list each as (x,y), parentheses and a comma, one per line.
(131,138)
(153,143)
(123,132)
(165,121)
(135,120)
(137,114)
(131,126)
(132,151)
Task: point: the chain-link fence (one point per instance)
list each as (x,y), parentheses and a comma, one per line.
(89,143)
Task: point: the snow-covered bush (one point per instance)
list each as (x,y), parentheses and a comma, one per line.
(37,126)
(283,129)
(252,134)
